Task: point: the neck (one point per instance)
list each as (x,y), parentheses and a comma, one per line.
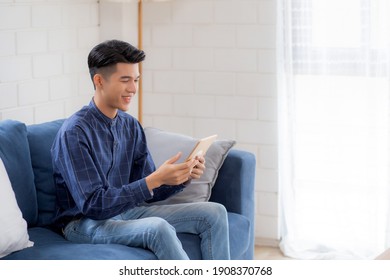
(106,110)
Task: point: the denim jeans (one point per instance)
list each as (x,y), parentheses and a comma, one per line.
(155,227)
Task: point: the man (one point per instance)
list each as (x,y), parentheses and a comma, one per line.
(105,176)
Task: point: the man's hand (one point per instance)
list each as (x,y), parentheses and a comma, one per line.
(172,173)
(199,168)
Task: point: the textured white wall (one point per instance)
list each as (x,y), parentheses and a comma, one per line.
(43,57)
(211,68)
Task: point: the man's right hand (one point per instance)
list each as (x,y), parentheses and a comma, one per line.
(171,173)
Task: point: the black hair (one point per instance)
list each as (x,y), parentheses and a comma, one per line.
(108,53)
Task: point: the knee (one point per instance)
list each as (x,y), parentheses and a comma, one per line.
(161,226)
(216,211)
(217,208)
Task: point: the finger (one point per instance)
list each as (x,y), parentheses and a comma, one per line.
(196,173)
(200,166)
(188,164)
(183,178)
(196,176)
(201,159)
(174,158)
(183,172)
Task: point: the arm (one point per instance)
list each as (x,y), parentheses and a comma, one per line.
(94,189)
(78,170)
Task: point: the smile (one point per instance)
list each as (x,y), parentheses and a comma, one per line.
(127,98)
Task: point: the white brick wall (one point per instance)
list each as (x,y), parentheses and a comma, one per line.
(211,68)
(43,49)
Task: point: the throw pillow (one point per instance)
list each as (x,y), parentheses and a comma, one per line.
(163,145)
(13,230)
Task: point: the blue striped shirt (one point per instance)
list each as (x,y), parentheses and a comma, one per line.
(100,165)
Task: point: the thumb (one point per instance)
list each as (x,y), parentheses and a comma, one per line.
(174,158)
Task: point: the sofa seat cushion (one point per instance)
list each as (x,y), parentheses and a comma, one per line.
(49,245)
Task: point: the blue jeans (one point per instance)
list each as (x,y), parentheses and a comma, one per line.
(155,227)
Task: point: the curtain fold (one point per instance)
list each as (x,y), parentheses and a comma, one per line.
(334,127)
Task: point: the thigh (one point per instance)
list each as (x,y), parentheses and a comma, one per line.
(129,232)
(185,217)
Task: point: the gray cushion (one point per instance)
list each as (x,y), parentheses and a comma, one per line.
(163,145)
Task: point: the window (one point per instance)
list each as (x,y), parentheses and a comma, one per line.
(334,127)
(343,34)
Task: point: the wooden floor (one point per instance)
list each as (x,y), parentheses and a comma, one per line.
(274,253)
(269,253)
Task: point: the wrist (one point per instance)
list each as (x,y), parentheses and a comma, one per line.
(152,181)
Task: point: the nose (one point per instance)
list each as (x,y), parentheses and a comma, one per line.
(132,88)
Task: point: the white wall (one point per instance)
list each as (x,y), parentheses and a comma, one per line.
(119,20)
(210,68)
(43,57)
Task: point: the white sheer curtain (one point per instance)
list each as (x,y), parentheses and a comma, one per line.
(334,112)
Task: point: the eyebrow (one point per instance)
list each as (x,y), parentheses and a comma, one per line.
(130,77)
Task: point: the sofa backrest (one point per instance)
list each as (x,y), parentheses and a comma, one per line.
(40,139)
(15,153)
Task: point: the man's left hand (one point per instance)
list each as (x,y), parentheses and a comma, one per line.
(199,168)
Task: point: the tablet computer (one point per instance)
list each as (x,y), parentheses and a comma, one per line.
(202,146)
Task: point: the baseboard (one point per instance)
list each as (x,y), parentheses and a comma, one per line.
(270,242)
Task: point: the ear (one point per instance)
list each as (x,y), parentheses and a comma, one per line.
(98,80)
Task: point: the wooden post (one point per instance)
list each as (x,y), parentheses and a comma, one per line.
(140,97)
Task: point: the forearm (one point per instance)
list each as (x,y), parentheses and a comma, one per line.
(165,191)
(153,181)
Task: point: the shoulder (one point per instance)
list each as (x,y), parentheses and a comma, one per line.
(79,121)
(129,121)
(132,128)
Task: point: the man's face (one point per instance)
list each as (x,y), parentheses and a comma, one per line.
(118,89)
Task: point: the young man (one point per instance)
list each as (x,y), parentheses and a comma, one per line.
(105,176)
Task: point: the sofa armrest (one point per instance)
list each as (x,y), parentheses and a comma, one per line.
(235,186)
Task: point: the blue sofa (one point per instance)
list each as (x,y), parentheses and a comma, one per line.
(25,151)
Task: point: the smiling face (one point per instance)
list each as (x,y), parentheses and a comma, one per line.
(116,88)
